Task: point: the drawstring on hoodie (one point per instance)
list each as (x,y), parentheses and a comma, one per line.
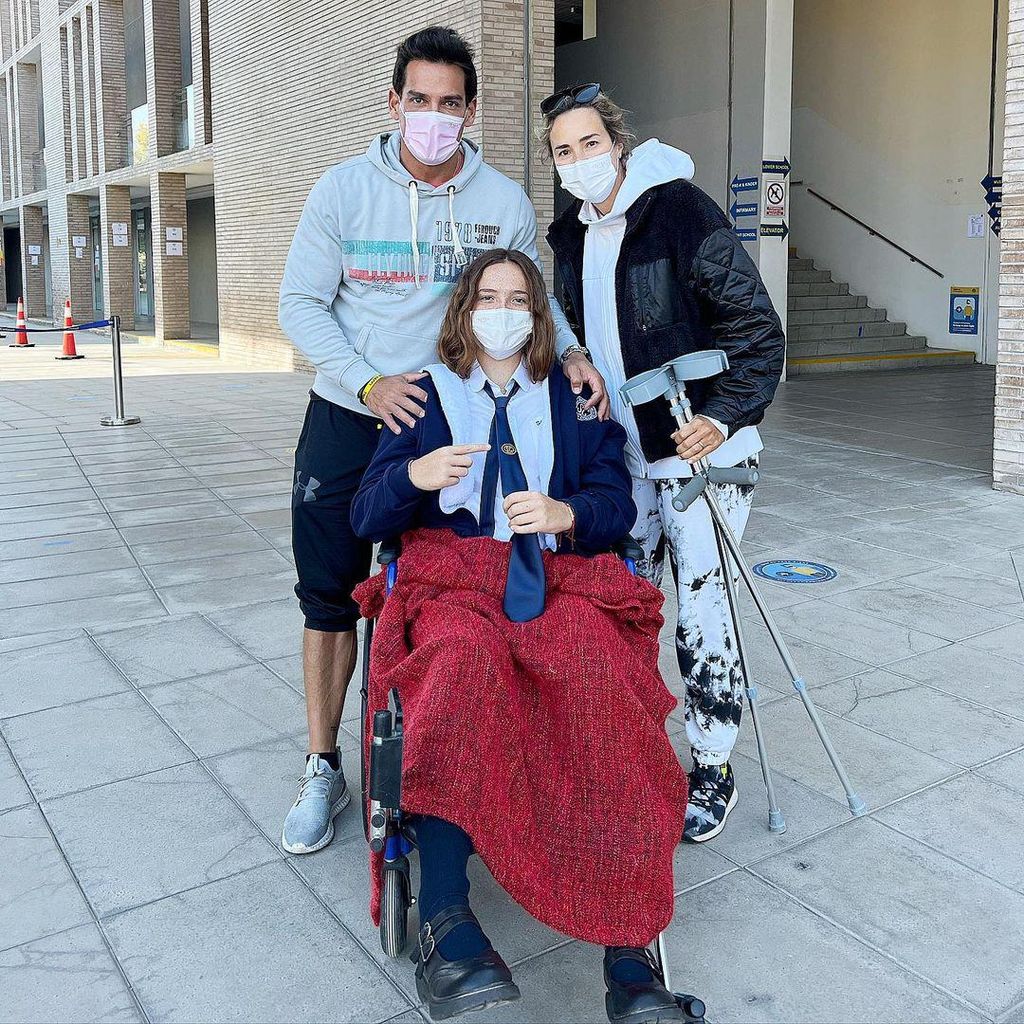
(414,217)
(461,259)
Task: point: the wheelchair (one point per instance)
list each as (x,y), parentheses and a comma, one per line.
(385,827)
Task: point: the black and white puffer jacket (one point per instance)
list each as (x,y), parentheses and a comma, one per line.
(683,283)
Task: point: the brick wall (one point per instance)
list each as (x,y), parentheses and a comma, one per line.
(1008,454)
(290,99)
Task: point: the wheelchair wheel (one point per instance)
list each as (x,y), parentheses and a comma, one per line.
(394,909)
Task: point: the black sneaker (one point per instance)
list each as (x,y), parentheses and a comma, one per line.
(712,797)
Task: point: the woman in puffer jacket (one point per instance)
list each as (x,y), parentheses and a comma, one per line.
(652,270)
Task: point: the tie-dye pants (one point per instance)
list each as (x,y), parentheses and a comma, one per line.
(708,660)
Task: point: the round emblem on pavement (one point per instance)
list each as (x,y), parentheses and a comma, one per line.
(508,449)
(786,570)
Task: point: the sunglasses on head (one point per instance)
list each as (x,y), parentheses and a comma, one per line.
(579,95)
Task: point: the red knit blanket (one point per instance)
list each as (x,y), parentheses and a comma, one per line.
(545,741)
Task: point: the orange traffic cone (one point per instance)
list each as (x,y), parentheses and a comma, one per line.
(69,335)
(20,335)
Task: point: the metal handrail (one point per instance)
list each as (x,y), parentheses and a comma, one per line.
(870,230)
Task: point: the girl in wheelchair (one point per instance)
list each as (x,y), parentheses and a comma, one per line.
(525,658)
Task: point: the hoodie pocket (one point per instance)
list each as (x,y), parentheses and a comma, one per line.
(389,351)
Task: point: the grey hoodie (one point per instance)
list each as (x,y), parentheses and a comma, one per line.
(376,254)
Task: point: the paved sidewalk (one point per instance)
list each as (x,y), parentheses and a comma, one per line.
(152,723)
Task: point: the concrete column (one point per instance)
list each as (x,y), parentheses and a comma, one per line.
(170,271)
(111,105)
(163,73)
(5,150)
(118,280)
(33,275)
(1008,439)
(77,106)
(4,256)
(80,271)
(27,80)
(201,113)
(89,94)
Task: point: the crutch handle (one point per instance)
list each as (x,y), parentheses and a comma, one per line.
(745,476)
(689,493)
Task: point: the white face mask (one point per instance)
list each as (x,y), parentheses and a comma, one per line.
(502,332)
(591,180)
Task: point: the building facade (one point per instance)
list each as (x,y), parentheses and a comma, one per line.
(155,154)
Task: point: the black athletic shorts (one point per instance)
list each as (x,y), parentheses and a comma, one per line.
(332,454)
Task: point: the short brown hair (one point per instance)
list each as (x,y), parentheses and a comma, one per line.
(457,344)
(614,118)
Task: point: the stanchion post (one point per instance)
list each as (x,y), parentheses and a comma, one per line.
(118,419)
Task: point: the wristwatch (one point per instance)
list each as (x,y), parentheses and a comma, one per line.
(571,350)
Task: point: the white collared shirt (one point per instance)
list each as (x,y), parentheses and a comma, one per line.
(469,411)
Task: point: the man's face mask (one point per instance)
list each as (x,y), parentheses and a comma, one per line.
(432,137)
(592,180)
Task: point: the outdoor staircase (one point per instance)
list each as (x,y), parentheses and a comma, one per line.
(831,330)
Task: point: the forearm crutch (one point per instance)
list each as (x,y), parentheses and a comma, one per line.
(669,382)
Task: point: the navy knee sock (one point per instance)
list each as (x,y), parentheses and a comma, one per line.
(628,970)
(444,855)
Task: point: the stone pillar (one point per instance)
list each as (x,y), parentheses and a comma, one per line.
(1008,439)
(111,105)
(33,274)
(118,278)
(27,82)
(163,74)
(170,270)
(80,274)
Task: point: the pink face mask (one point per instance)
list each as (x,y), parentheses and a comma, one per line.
(432,137)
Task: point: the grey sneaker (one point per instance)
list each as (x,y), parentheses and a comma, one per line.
(322,794)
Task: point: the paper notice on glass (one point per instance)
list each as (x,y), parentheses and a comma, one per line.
(35,261)
(78,252)
(174,235)
(174,249)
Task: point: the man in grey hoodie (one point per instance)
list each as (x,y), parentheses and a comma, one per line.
(381,241)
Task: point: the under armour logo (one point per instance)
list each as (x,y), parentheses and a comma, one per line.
(308,489)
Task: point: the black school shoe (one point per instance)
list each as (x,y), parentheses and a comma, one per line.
(451,987)
(712,798)
(645,1002)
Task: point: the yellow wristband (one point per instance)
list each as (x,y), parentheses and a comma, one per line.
(369,386)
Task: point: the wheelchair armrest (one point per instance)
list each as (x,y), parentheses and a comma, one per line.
(628,548)
(389,550)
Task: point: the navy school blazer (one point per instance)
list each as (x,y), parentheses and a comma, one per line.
(589,473)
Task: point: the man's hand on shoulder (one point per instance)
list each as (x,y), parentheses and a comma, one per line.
(396,400)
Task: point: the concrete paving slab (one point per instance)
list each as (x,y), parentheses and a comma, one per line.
(271,629)
(1005,641)
(105,739)
(35,678)
(13,790)
(105,610)
(943,921)
(68,977)
(171,649)
(1007,771)
(216,953)
(73,563)
(216,595)
(70,588)
(38,893)
(139,840)
(230,709)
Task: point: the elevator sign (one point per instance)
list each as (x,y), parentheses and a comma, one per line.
(963,310)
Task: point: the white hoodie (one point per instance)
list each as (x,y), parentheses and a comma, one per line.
(652,163)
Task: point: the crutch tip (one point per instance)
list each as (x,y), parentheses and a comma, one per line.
(776,822)
(857,806)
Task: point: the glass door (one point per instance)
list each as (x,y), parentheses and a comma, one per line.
(143,264)
(95,240)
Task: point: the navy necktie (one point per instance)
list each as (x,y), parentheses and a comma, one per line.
(524,586)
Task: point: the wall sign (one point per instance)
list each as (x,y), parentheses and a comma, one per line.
(35,250)
(174,235)
(963,310)
(78,241)
(775,199)
(174,249)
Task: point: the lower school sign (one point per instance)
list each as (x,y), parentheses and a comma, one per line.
(963,310)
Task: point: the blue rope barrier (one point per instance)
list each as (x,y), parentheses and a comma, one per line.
(59,330)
